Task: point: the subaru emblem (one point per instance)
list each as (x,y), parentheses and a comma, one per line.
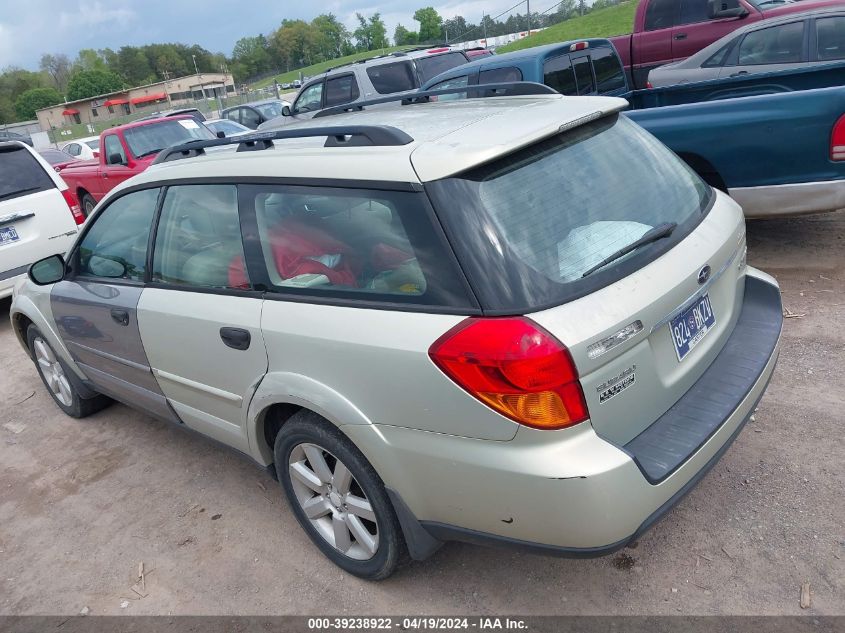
(704,275)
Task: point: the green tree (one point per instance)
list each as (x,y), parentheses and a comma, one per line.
(333,35)
(430,23)
(404,37)
(91,83)
(13,83)
(58,67)
(35,99)
(378,32)
(89,59)
(363,39)
(251,56)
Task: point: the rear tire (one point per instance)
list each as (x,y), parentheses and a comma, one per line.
(54,374)
(337,497)
(88,204)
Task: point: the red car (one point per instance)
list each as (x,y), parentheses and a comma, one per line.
(671,30)
(127,150)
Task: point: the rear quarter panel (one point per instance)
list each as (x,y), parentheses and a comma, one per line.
(755,141)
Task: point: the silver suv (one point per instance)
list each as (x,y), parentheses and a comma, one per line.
(395,74)
(518,320)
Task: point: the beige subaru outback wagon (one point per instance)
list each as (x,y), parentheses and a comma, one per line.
(518,321)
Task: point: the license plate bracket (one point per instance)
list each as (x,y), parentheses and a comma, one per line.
(690,326)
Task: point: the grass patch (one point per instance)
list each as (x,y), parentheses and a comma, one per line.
(616,20)
(316,69)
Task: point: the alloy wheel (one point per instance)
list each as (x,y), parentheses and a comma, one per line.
(54,374)
(333,501)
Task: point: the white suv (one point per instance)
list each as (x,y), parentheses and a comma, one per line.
(38,215)
(518,320)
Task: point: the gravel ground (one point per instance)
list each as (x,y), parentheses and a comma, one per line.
(82,503)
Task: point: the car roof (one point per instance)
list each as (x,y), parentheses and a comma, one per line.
(448,137)
(695,60)
(84,139)
(505,59)
(390,58)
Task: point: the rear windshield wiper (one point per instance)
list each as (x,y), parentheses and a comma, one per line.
(19,192)
(658,232)
(152,151)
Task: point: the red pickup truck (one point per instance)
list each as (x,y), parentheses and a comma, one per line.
(671,30)
(127,150)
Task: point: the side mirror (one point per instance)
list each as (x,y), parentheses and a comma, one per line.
(106,267)
(115,159)
(221,134)
(725,9)
(286,111)
(48,270)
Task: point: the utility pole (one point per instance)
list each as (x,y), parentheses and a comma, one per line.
(528,10)
(166,74)
(484,26)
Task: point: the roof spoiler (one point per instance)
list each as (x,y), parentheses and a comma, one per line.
(510,89)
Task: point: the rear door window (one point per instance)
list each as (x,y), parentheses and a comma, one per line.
(430,67)
(782,44)
(830,38)
(21,174)
(608,69)
(558,74)
(454,82)
(199,237)
(348,244)
(340,90)
(395,77)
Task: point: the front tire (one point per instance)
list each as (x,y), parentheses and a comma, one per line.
(54,375)
(337,497)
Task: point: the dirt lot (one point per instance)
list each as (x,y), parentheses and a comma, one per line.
(83,502)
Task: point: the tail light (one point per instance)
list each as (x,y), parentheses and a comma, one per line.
(579,46)
(516,368)
(74,207)
(837,140)
(648,84)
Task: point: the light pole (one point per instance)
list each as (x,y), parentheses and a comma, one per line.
(202,88)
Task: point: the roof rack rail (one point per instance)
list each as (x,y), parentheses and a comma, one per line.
(337,136)
(513,88)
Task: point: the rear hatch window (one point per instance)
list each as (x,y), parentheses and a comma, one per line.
(20,173)
(529,226)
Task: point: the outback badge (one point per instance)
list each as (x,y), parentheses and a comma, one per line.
(704,274)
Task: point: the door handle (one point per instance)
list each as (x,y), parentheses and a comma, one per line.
(120,316)
(680,36)
(105,175)
(741,72)
(235,337)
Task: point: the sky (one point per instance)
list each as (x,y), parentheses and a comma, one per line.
(29,29)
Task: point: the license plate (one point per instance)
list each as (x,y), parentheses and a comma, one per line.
(691,325)
(8,234)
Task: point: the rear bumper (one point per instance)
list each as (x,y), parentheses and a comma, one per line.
(788,200)
(571,493)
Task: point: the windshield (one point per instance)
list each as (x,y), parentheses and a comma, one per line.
(95,144)
(270,110)
(150,139)
(542,217)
